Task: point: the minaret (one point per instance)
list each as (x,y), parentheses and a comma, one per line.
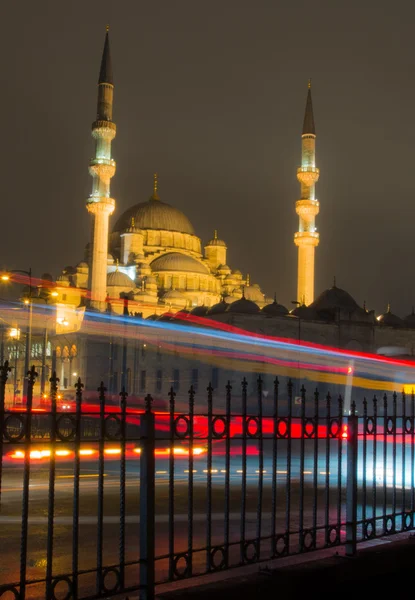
(102,168)
(307,208)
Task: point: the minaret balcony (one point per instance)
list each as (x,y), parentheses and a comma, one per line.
(100,204)
(102,168)
(308,175)
(306,238)
(307,209)
(104,129)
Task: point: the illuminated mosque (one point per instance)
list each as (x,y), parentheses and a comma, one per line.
(153,256)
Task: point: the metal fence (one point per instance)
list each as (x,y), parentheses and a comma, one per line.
(190,492)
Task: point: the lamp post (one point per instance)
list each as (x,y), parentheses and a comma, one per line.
(28,301)
(297,303)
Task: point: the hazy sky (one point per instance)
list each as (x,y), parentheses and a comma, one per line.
(212,96)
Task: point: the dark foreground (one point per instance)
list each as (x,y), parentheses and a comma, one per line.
(383,567)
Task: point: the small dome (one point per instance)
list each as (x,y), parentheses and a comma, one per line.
(199,311)
(334,298)
(390,320)
(410,320)
(47,277)
(119,279)
(152,317)
(69,270)
(218,308)
(229,277)
(174,297)
(274,309)
(224,269)
(215,241)
(305,312)
(237,274)
(243,306)
(176,261)
(81,266)
(229,299)
(253,293)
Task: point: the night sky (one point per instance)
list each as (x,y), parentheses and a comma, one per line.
(212,95)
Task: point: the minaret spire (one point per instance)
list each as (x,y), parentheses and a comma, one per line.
(102,168)
(308,124)
(105,73)
(307,208)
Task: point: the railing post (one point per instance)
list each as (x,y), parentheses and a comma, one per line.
(351,487)
(147,508)
(4,373)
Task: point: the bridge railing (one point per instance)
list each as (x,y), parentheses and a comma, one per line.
(132,501)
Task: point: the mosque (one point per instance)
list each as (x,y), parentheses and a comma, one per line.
(152,263)
(152,256)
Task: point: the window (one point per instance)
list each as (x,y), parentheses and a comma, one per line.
(49,349)
(142,381)
(37,350)
(64,297)
(159,380)
(143,351)
(215,377)
(195,379)
(13,352)
(176,380)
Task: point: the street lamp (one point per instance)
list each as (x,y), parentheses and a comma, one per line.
(27,301)
(297,303)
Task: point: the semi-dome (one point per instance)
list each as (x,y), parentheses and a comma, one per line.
(390,320)
(253,293)
(274,309)
(119,279)
(176,261)
(174,297)
(243,306)
(154,214)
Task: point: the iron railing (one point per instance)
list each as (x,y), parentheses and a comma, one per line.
(214,485)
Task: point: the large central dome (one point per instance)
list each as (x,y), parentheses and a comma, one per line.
(154,214)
